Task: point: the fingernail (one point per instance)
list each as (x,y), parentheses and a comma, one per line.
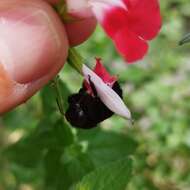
(28,43)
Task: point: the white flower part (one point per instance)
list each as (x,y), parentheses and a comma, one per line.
(113,3)
(89,8)
(100,7)
(79,8)
(107,95)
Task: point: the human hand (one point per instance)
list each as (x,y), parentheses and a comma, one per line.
(33,47)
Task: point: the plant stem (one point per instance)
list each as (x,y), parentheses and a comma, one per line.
(75,60)
(186,39)
(59,97)
(61,9)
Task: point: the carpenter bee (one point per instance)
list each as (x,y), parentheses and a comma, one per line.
(86,111)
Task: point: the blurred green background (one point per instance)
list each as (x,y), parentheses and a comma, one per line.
(39,151)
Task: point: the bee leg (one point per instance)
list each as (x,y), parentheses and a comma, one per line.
(92,86)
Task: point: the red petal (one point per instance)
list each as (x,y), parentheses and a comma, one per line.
(130,27)
(131,46)
(103,74)
(114,20)
(144,17)
(141,17)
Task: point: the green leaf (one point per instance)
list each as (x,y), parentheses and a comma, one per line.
(53,95)
(107,146)
(64,168)
(114,176)
(56,176)
(65,91)
(74,159)
(29,150)
(63,133)
(48,97)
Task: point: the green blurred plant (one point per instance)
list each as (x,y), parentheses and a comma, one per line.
(186,39)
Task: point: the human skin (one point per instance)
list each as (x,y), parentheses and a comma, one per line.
(33,47)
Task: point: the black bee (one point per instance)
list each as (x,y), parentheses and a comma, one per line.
(86,111)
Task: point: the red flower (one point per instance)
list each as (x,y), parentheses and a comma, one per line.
(98,99)
(106,87)
(130,23)
(100,71)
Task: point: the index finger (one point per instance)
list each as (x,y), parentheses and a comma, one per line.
(80,31)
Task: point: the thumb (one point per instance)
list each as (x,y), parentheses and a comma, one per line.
(33,48)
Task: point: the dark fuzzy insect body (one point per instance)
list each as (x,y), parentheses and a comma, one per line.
(86,111)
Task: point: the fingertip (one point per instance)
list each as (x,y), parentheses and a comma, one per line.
(80,31)
(52,1)
(36,67)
